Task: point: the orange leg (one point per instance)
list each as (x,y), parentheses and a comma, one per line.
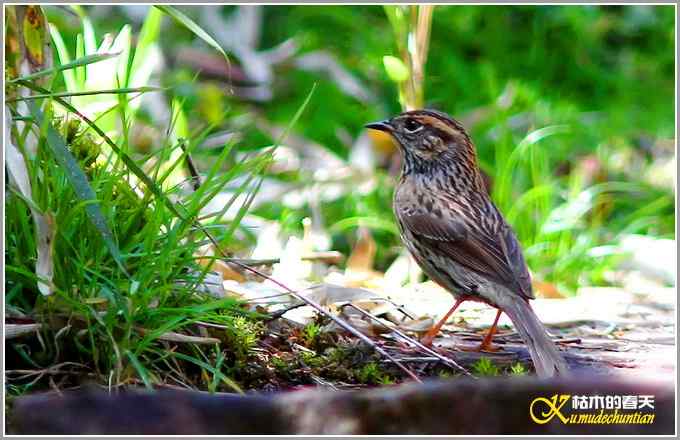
(486,343)
(429,336)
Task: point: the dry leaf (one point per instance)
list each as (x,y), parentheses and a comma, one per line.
(360,322)
(44,224)
(213,285)
(363,254)
(15,330)
(254,290)
(227,271)
(327,294)
(547,290)
(179,337)
(420,325)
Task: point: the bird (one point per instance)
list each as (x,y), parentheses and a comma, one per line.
(457,235)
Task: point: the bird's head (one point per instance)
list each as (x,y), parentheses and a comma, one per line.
(428,138)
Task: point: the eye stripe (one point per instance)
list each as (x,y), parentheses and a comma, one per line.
(444,126)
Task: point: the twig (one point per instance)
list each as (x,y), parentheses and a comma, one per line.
(193,172)
(418,359)
(395,305)
(334,318)
(327,257)
(297,295)
(449,362)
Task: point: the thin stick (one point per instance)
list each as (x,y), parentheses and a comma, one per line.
(334,318)
(449,362)
(193,172)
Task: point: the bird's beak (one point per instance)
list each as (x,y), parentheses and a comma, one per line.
(380,125)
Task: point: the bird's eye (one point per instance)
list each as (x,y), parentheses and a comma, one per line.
(412,125)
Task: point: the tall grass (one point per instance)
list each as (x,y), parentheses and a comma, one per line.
(129,301)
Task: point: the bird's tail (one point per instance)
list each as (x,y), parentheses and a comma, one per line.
(547,359)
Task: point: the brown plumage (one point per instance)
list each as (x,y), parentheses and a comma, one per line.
(456,233)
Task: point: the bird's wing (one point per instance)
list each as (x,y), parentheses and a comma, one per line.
(494,255)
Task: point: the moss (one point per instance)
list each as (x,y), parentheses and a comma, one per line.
(484,367)
(242,336)
(371,373)
(311,333)
(517,369)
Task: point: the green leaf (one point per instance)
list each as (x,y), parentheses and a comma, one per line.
(80,53)
(211,369)
(79,182)
(143,372)
(396,14)
(64,59)
(132,166)
(89,37)
(147,53)
(193,27)
(65,67)
(395,68)
(35,34)
(94,92)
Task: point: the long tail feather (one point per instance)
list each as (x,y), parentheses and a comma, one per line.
(548,361)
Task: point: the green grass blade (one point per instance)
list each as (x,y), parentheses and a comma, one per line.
(193,27)
(218,365)
(90,40)
(64,59)
(79,181)
(127,160)
(89,59)
(210,368)
(143,372)
(80,53)
(119,91)
(297,115)
(242,211)
(147,53)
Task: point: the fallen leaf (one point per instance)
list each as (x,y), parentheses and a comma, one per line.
(179,337)
(44,224)
(420,325)
(227,272)
(363,254)
(15,330)
(547,290)
(326,294)
(205,254)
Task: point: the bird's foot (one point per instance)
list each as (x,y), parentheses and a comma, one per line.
(427,339)
(488,347)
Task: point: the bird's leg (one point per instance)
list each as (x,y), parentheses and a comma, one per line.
(431,333)
(486,344)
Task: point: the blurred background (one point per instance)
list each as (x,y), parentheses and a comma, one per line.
(571,109)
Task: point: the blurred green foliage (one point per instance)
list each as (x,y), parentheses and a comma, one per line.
(602,76)
(567,106)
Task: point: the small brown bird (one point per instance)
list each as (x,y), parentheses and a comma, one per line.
(456,233)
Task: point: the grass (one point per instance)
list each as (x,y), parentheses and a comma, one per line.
(115,316)
(568,107)
(127,280)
